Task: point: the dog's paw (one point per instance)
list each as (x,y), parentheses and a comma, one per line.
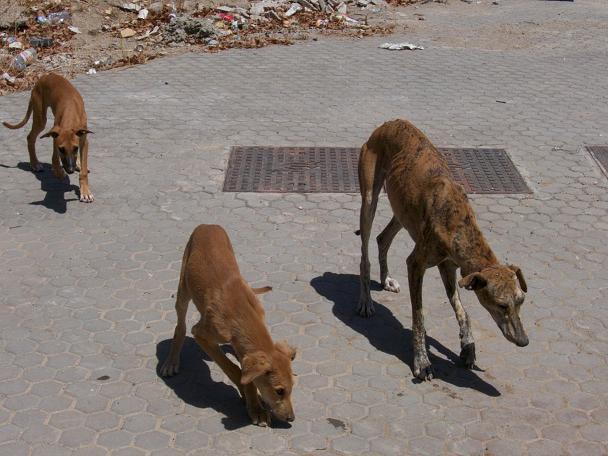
(37,168)
(392,285)
(422,369)
(169,368)
(259,416)
(366,308)
(60,174)
(467,355)
(86,197)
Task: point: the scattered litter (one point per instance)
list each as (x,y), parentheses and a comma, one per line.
(8,40)
(24,59)
(127,33)
(59,17)
(349,20)
(148,33)
(8,78)
(51,29)
(502,101)
(39,42)
(400,46)
(293,9)
(129,7)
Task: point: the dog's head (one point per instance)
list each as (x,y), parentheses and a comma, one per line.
(66,141)
(501,290)
(271,374)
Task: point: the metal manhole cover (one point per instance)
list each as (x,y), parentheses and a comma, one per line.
(600,155)
(334,170)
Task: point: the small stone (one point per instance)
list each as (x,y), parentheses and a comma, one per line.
(127,33)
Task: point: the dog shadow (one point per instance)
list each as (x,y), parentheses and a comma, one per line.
(55,189)
(386,333)
(193,385)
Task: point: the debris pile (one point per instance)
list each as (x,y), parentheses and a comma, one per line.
(134,31)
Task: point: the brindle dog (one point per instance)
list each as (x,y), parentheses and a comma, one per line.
(436,212)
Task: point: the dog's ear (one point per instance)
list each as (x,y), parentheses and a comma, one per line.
(261,290)
(254,365)
(520,277)
(474,281)
(286,349)
(52,132)
(83,131)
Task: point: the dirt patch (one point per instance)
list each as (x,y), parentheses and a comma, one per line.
(100,34)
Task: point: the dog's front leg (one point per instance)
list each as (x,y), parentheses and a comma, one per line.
(85,192)
(368,209)
(56,165)
(415,271)
(467,343)
(256,411)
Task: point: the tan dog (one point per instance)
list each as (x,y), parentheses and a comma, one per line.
(69,131)
(231,314)
(437,214)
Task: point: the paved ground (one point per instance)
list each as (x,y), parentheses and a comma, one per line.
(86,304)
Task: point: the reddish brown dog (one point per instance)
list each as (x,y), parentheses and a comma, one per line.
(69,131)
(436,212)
(231,314)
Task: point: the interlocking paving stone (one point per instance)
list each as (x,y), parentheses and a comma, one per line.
(87,289)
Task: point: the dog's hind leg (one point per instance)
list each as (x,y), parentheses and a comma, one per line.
(416,266)
(38,124)
(467,343)
(171,365)
(384,244)
(370,182)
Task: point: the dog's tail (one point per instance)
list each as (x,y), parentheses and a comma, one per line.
(24,121)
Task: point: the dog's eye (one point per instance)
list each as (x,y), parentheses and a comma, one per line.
(62,150)
(280,392)
(76,149)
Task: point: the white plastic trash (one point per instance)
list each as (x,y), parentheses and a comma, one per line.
(400,46)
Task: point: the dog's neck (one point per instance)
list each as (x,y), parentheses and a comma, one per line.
(470,250)
(249,332)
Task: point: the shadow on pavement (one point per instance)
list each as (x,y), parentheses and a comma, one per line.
(55,190)
(386,333)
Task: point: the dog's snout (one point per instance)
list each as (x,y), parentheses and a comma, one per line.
(522,341)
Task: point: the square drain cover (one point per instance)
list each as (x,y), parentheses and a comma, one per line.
(334,170)
(600,154)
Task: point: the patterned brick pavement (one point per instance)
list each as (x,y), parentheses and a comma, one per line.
(86,309)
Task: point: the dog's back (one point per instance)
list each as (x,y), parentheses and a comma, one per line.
(209,261)
(418,181)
